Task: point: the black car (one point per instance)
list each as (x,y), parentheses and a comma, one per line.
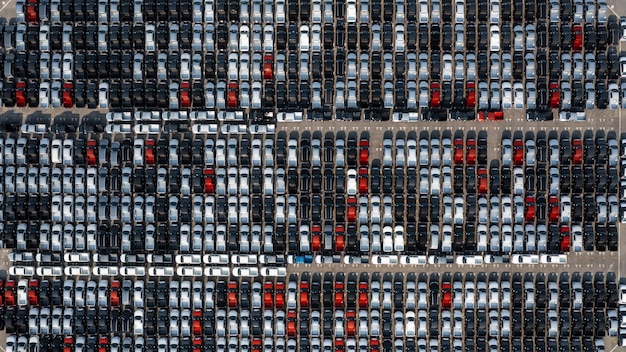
(138,96)
(103,65)
(173,64)
(115,64)
(8,93)
(446,38)
(162,95)
(91,37)
(198,95)
(150,93)
(435,37)
(506,37)
(221,65)
(126,95)
(55,37)
(33,93)
(115,94)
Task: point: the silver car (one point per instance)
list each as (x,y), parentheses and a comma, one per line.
(495,96)
(590,94)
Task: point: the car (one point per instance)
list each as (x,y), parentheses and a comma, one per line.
(44,95)
(399,38)
(494,38)
(103,95)
(614,101)
(507,92)
(494,11)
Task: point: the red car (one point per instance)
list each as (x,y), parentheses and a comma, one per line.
(1,292)
(490,116)
(209,181)
(9,293)
(340,344)
(197,344)
(268,295)
(103,344)
(363,294)
(530,209)
(446,295)
(279,297)
(68,94)
(458,151)
(197,322)
(233,293)
(565,238)
(483,180)
(554,209)
(304,294)
(33,288)
(435,95)
(374,344)
(363,180)
(351,213)
(340,242)
(577,43)
(292,324)
(364,153)
(518,152)
(149,156)
(339,289)
(470,156)
(20,94)
(91,152)
(32,12)
(316,238)
(233,95)
(268,67)
(577,151)
(68,344)
(184,95)
(115,293)
(351,323)
(555,95)
(470,101)
(257,345)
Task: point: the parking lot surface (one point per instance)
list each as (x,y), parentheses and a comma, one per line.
(239,175)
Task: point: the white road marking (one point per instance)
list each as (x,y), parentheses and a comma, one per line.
(5,5)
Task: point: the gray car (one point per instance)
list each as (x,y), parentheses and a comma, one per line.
(483,91)
(494,102)
(531,96)
(590,94)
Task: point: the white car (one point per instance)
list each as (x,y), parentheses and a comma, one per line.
(44,94)
(138,66)
(268,38)
(150,44)
(459,11)
(398,240)
(494,38)
(103,95)
(44,66)
(244,38)
(399,38)
(447,67)
(507,95)
(352,182)
(525,259)
(351,11)
(44,38)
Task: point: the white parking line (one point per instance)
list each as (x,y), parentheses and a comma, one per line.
(5,5)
